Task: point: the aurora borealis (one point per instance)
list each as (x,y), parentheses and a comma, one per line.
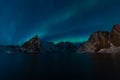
(55,20)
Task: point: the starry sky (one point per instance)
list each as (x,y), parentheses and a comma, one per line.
(55,20)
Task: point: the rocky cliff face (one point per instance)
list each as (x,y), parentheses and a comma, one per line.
(33,45)
(115,35)
(103,41)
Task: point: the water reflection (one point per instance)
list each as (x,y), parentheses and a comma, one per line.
(106,66)
(59,66)
(32,67)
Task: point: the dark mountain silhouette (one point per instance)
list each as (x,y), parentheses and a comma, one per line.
(33,45)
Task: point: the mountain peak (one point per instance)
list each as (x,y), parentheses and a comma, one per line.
(103,41)
(33,45)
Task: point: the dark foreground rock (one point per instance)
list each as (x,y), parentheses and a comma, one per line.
(103,42)
(32,46)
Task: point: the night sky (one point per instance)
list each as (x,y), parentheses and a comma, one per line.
(55,20)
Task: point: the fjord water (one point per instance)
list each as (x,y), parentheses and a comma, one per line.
(59,66)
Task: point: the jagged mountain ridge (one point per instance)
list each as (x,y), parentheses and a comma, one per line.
(103,41)
(35,45)
(99,42)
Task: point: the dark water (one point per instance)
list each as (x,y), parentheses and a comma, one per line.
(59,66)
